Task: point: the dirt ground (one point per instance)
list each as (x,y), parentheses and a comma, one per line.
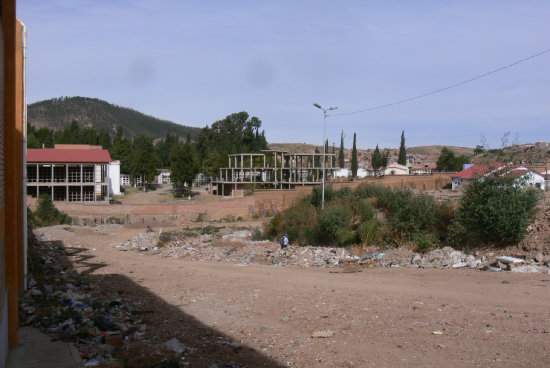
(163,194)
(237,315)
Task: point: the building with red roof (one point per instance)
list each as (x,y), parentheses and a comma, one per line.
(71,173)
(501,169)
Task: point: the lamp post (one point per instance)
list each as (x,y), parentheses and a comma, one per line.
(324,139)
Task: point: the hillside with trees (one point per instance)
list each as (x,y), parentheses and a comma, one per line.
(58,113)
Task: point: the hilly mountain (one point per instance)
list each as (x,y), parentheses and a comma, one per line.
(58,113)
(436,150)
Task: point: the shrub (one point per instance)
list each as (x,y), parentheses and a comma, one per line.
(295,222)
(425,242)
(315,198)
(369,232)
(47,214)
(330,226)
(493,211)
(257,235)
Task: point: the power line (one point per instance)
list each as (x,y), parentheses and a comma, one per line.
(444,88)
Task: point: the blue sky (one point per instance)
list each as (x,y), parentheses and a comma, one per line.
(194,62)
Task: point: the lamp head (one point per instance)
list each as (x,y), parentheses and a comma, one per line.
(317,105)
(333,107)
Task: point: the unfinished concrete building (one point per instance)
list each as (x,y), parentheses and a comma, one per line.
(271,169)
(69,173)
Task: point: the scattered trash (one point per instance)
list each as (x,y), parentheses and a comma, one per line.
(437,333)
(509,260)
(175,345)
(322,334)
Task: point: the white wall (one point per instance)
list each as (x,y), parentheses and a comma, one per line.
(114,178)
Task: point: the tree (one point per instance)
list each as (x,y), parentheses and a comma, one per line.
(376,160)
(459,162)
(479,150)
(165,146)
(341,161)
(402,160)
(495,211)
(446,159)
(122,150)
(184,166)
(144,161)
(354,163)
(333,155)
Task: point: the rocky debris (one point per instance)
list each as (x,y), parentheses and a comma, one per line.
(142,242)
(236,246)
(68,306)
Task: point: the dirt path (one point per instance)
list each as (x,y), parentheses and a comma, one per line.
(383,317)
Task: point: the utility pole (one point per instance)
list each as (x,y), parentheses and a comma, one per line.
(324,153)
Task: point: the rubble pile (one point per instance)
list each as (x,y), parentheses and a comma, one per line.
(64,303)
(236,246)
(142,242)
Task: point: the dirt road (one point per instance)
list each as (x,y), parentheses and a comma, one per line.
(258,315)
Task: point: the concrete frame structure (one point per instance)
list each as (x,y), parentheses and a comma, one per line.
(271,169)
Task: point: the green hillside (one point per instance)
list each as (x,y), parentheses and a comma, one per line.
(58,113)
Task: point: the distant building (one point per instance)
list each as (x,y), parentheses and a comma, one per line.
(163,177)
(71,173)
(125,180)
(529,178)
(396,169)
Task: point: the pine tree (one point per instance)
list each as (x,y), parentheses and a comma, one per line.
(402,160)
(341,153)
(354,163)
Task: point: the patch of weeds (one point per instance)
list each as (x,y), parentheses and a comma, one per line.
(164,238)
(257,235)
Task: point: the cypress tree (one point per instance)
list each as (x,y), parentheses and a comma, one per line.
(376,160)
(402,160)
(341,153)
(354,163)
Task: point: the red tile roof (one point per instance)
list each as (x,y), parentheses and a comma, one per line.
(478,170)
(68,155)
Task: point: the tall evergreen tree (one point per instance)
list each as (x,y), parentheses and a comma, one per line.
(184,166)
(354,163)
(144,161)
(402,160)
(341,161)
(376,160)
(333,155)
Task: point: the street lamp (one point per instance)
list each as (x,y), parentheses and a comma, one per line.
(324,139)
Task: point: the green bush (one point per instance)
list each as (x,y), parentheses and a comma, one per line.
(295,222)
(330,228)
(425,242)
(493,211)
(369,232)
(315,198)
(47,214)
